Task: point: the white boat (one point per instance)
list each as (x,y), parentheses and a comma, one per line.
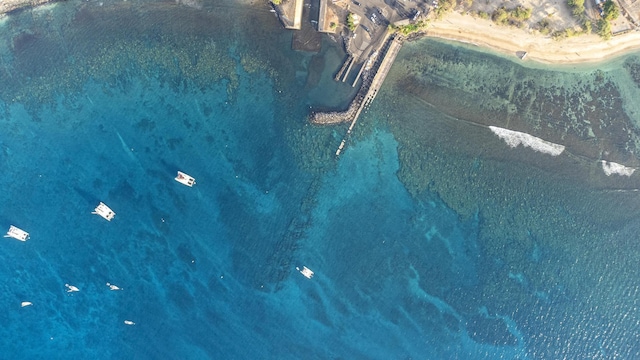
(71,288)
(306,272)
(185,179)
(26,303)
(17,233)
(104,211)
(113,287)
(129,322)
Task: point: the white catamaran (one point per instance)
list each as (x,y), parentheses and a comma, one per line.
(185,179)
(306,272)
(104,211)
(17,234)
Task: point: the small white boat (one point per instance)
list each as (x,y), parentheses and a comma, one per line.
(17,233)
(71,288)
(26,303)
(185,179)
(306,272)
(129,322)
(113,287)
(104,211)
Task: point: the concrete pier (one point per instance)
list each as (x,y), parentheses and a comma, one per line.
(371,83)
(347,64)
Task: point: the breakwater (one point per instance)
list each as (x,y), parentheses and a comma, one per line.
(372,80)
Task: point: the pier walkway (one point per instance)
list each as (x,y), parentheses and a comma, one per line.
(371,82)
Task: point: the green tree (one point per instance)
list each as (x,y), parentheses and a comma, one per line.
(577,7)
(574,3)
(604,29)
(500,16)
(276,2)
(520,13)
(444,7)
(351,21)
(544,26)
(610,10)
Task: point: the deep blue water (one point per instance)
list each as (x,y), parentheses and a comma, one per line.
(106,101)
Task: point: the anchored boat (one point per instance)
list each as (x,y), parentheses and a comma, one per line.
(306,272)
(71,288)
(104,211)
(185,179)
(17,233)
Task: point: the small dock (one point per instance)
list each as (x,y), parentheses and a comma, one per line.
(371,82)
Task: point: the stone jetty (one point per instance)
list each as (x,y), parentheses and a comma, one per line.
(372,80)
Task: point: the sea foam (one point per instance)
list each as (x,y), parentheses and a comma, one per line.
(611,168)
(515,138)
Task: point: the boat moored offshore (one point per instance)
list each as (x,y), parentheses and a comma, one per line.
(185,179)
(306,272)
(17,233)
(104,211)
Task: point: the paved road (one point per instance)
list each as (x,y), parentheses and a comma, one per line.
(375,16)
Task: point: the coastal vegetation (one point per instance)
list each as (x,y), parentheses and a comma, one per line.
(567,33)
(515,17)
(577,7)
(444,7)
(351,24)
(544,27)
(610,12)
(604,28)
(410,28)
(578,10)
(483,15)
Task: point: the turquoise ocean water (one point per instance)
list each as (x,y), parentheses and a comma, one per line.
(430,237)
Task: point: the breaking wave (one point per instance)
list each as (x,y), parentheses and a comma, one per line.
(611,168)
(515,138)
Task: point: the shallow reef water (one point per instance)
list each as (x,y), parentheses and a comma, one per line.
(430,237)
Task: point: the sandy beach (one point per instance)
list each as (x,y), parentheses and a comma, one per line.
(544,49)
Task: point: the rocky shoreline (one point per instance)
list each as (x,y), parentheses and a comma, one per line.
(7,6)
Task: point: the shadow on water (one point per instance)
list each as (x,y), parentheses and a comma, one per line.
(169,168)
(87,196)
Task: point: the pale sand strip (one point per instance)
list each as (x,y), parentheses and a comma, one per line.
(544,49)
